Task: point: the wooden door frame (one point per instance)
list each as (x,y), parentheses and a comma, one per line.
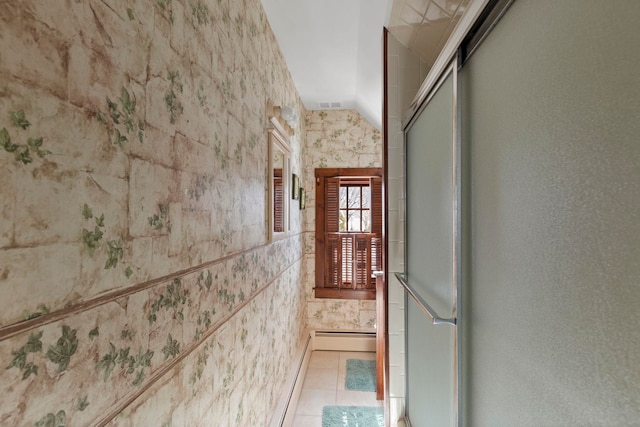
(382,354)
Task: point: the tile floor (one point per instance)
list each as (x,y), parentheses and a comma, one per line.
(324,385)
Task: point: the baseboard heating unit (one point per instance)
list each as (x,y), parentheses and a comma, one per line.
(344,341)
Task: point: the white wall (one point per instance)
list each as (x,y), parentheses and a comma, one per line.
(405,73)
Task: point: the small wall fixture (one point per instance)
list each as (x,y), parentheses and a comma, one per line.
(276,118)
(289,115)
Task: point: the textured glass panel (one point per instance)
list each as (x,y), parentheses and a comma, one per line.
(343,197)
(430,198)
(366,221)
(366,197)
(553,97)
(430,369)
(343,220)
(354,197)
(354,220)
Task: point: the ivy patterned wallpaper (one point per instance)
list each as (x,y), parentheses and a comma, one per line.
(136,283)
(335,138)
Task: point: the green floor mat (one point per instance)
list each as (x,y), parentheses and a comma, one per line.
(361,375)
(352,416)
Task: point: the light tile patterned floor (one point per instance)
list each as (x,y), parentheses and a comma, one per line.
(324,385)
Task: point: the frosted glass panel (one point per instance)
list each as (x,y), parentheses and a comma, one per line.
(552,107)
(430,200)
(430,368)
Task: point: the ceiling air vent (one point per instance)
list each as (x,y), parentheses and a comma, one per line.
(329,105)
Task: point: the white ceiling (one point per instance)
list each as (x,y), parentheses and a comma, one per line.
(334,50)
(334,47)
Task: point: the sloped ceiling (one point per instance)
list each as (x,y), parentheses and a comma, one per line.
(334,47)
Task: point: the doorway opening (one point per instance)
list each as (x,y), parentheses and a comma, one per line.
(348,232)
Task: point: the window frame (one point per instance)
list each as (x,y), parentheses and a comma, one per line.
(278,143)
(360,185)
(321,174)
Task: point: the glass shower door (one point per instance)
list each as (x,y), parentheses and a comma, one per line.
(431,261)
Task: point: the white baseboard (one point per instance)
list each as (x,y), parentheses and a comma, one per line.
(344,340)
(317,340)
(282,416)
(396,412)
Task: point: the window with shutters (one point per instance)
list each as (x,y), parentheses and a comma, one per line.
(348,232)
(278,201)
(279,171)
